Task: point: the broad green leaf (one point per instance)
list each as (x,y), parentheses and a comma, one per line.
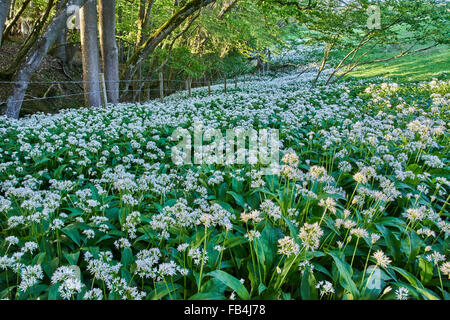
(345,272)
(231,282)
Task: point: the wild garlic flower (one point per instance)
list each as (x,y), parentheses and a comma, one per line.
(288,247)
(329,204)
(30,247)
(182,247)
(94,294)
(30,275)
(316,172)
(360,178)
(445,269)
(325,288)
(310,235)
(382,259)
(415,214)
(435,257)
(252,235)
(197,256)
(70,284)
(359,232)
(305,264)
(291,159)
(402,293)
(12,240)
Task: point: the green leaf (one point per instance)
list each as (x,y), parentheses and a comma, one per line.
(345,272)
(426,270)
(427,294)
(261,288)
(238,198)
(72,233)
(163,290)
(53,293)
(127,257)
(72,258)
(392,243)
(308,286)
(231,282)
(207,296)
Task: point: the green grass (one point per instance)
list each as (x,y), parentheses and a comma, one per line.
(434,63)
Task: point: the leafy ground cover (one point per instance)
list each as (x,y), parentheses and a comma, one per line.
(417,67)
(92,206)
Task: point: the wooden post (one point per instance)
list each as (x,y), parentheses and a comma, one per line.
(235,82)
(209,87)
(161,86)
(103,89)
(140,78)
(188,86)
(225,84)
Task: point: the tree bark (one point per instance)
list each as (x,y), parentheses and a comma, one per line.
(37,53)
(31,39)
(14,20)
(145,11)
(4,10)
(60,51)
(158,36)
(89,51)
(109,50)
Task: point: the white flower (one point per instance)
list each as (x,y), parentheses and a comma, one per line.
(310,235)
(94,294)
(288,247)
(402,293)
(381,258)
(325,287)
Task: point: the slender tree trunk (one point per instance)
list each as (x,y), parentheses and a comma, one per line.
(31,40)
(158,36)
(109,50)
(14,20)
(145,10)
(61,41)
(89,51)
(4,10)
(35,57)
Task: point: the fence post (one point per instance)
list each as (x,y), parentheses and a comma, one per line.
(188,85)
(103,89)
(209,87)
(161,86)
(225,84)
(235,82)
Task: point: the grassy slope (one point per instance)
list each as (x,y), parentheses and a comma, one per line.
(434,63)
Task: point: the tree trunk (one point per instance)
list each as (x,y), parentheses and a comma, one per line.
(14,20)
(35,57)
(109,50)
(158,36)
(89,51)
(31,40)
(145,10)
(4,10)
(60,51)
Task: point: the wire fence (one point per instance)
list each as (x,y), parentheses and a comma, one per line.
(163,86)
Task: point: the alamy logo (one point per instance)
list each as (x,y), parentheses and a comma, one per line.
(73,22)
(238,146)
(374,282)
(374,19)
